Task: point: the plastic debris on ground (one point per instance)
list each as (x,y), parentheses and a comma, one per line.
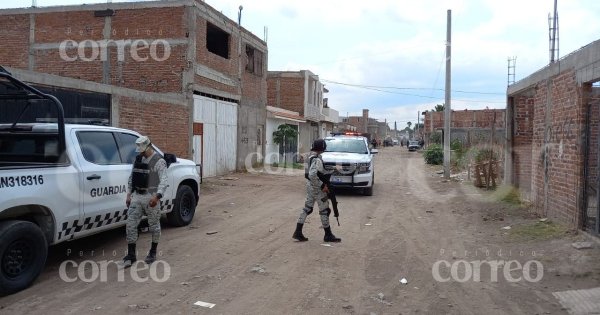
(204,304)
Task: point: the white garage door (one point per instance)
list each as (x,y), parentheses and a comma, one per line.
(219,141)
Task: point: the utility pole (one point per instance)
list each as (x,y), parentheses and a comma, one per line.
(417,125)
(447,111)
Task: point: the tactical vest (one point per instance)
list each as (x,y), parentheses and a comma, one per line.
(307,167)
(143,177)
(323,177)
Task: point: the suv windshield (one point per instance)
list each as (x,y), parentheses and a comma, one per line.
(346,145)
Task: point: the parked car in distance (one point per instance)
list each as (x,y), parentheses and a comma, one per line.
(413,145)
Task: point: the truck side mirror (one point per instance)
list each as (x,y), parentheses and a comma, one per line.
(170,159)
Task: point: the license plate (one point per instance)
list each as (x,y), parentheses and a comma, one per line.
(336,179)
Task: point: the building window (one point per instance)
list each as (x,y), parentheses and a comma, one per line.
(217,41)
(254,60)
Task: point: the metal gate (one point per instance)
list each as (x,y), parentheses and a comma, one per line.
(218,142)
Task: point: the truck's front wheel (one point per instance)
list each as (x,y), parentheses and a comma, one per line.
(184,208)
(23,251)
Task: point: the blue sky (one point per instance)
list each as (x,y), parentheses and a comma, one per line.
(395,49)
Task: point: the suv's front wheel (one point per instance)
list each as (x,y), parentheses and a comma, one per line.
(184,208)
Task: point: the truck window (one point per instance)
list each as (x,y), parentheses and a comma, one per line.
(29,148)
(99,147)
(127,147)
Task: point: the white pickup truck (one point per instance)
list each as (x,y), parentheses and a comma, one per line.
(60,182)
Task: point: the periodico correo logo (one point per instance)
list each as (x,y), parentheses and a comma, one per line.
(510,270)
(92,271)
(94,50)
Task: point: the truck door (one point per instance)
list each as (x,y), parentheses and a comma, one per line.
(104,180)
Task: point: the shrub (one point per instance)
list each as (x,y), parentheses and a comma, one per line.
(483,155)
(436,138)
(434,154)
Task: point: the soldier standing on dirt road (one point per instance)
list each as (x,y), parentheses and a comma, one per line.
(146,186)
(317,187)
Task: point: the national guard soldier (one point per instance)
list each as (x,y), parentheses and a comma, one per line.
(317,188)
(146,186)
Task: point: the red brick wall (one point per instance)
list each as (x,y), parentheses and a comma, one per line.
(291,93)
(165,124)
(466,119)
(150,75)
(522,139)
(272,91)
(593,146)
(255,87)
(130,24)
(205,57)
(14,33)
(563,171)
(57,26)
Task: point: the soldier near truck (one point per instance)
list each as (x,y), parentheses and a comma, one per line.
(146,186)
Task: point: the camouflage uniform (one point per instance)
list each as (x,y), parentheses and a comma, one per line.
(314,192)
(317,179)
(140,200)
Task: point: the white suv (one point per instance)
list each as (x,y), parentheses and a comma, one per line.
(355,157)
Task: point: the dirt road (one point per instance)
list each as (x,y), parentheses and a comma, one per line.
(239,255)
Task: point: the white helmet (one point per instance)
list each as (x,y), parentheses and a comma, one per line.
(142,143)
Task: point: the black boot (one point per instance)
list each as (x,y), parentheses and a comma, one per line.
(329,237)
(151,254)
(298,233)
(130,258)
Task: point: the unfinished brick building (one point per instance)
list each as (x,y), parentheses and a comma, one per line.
(175,70)
(553,138)
(472,127)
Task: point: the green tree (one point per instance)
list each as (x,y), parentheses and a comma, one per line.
(409,124)
(282,136)
(439,108)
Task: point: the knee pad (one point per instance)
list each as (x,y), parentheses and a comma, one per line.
(308,210)
(325,211)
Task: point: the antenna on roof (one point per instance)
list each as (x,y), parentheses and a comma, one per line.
(33,3)
(553,34)
(512,63)
(266,36)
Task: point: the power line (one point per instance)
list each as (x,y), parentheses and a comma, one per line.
(381,89)
(408,88)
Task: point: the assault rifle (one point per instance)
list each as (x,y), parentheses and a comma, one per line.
(334,203)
